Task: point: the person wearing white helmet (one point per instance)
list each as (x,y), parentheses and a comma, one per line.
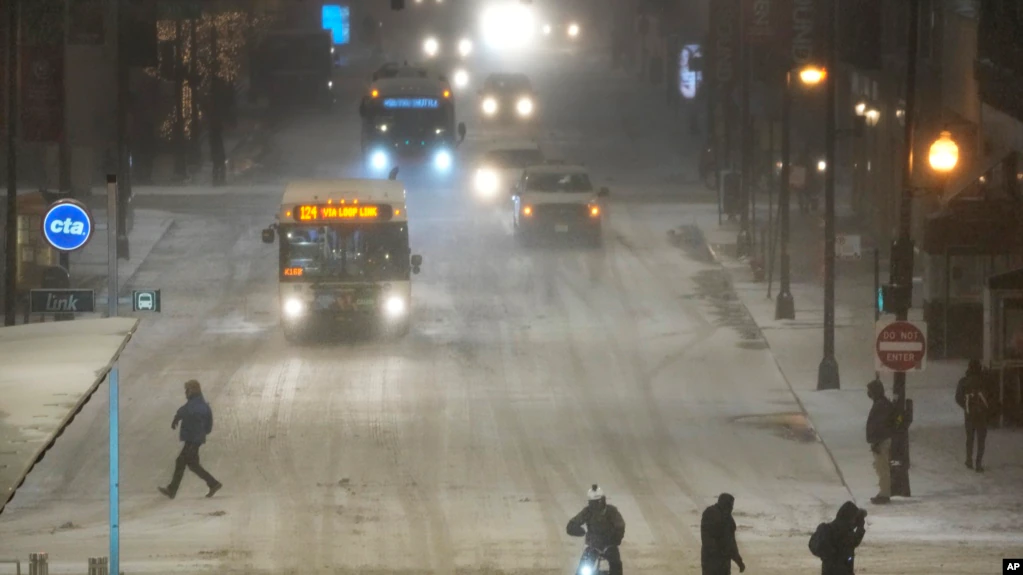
(603,527)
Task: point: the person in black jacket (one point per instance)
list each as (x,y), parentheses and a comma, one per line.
(972,397)
(196,419)
(880,428)
(717,533)
(604,528)
(841,538)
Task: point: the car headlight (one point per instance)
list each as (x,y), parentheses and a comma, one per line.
(573,30)
(524,106)
(293,308)
(330,84)
(431,46)
(461,78)
(442,161)
(489,106)
(378,160)
(465,47)
(394,306)
(487,181)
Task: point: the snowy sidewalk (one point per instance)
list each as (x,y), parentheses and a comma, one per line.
(949,501)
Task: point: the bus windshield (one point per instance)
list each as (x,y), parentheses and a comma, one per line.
(345,252)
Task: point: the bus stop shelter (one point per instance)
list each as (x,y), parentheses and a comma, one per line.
(48,372)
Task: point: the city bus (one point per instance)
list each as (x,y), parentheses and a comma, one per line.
(409,119)
(344,256)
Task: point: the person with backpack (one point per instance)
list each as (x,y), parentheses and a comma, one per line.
(880,429)
(835,543)
(972,398)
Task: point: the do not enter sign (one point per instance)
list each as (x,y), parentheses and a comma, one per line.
(900,346)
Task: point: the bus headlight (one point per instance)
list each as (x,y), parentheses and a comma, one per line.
(573,30)
(442,161)
(378,160)
(394,306)
(524,106)
(431,47)
(461,78)
(293,308)
(489,106)
(465,47)
(487,181)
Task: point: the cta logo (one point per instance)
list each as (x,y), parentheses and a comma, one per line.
(67,225)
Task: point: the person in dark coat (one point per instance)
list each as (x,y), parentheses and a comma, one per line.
(196,419)
(880,428)
(843,536)
(604,528)
(972,397)
(717,533)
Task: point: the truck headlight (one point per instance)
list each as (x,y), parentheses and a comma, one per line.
(293,308)
(489,106)
(524,106)
(394,306)
(487,181)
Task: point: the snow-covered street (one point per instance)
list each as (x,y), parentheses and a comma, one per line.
(529,374)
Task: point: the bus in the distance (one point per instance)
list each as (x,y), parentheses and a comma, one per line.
(344,256)
(409,119)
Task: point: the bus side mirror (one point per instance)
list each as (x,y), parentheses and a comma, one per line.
(393,174)
(461,131)
(268,236)
(417,261)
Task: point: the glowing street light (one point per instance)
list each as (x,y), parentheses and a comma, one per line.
(812,75)
(873,116)
(861,108)
(944,153)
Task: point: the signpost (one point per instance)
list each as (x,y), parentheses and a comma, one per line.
(900,346)
(61,301)
(67,225)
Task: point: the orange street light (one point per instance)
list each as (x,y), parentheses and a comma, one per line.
(812,75)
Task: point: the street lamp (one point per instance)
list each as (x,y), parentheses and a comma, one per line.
(944,153)
(784,305)
(827,371)
(872,116)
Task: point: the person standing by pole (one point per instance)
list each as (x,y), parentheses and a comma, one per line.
(972,397)
(196,419)
(880,428)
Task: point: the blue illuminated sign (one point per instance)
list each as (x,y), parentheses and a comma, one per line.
(411,103)
(67,225)
(338,20)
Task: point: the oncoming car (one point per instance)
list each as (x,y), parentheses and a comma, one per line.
(507,96)
(558,199)
(501,167)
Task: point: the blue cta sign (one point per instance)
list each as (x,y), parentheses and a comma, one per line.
(67,225)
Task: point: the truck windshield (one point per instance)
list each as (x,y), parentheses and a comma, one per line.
(345,252)
(558,183)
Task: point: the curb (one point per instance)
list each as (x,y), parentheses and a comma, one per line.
(802,407)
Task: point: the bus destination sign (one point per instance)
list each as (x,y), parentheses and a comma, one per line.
(342,212)
(411,103)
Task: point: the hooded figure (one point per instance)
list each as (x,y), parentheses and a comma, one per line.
(717,533)
(844,534)
(972,398)
(880,428)
(196,419)
(604,528)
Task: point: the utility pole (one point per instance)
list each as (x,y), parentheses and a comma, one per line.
(123,149)
(785,307)
(901,274)
(11,240)
(744,243)
(827,372)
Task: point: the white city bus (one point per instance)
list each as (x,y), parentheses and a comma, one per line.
(344,256)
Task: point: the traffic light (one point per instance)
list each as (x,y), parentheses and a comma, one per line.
(397,4)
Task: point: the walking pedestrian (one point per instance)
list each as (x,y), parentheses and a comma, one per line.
(971,396)
(880,428)
(836,542)
(717,534)
(196,419)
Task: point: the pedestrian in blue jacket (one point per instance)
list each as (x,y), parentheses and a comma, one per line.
(196,419)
